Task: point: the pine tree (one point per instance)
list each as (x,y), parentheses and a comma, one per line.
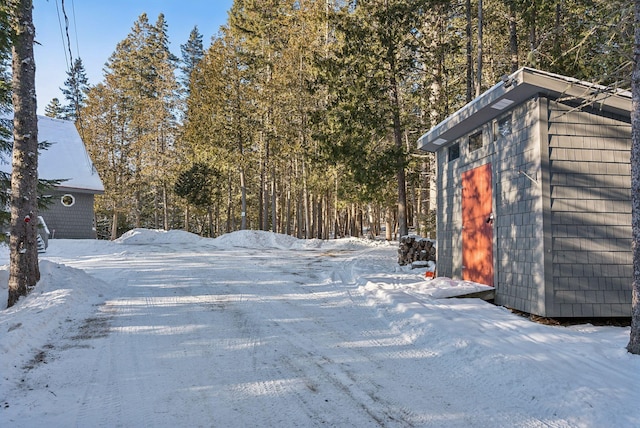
(220,115)
(106,142)
(75,91)
(258,30)
(376,57)
(634,340)
(198,185)
(141,86)
(164,104)
(5,78)
(5,60)
(23,272)
(192,53)
(5,110)
(54,109)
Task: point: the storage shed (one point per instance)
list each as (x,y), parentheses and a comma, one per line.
(534,195)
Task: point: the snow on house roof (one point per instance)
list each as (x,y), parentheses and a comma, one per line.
(66,158)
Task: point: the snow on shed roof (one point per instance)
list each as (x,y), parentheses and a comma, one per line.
(66,158)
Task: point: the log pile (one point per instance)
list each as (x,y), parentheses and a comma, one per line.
(415,249)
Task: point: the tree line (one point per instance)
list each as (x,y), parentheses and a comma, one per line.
(301,116)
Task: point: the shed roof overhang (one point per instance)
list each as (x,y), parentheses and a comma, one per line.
(515,89)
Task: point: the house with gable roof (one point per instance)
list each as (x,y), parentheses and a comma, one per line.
(70,214)
(534,195)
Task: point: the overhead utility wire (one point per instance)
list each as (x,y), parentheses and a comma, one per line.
(66,26)
(66,60)
(75,27)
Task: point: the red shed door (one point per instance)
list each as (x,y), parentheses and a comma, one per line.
(477,226)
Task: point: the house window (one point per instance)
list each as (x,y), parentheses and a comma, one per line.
(502,128)
(475,141)
(454,151)
(68,200)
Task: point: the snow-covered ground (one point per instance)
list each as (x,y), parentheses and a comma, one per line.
(254,329)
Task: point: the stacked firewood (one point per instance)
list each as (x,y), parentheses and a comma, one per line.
(416,249)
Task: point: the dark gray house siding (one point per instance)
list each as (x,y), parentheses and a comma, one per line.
(590,211)
(519,220)
(66,160)
(560,195)
(70,222)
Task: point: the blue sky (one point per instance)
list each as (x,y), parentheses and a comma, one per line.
(96,27)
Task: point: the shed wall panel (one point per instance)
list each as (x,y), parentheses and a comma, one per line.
(590,212)
(519,247)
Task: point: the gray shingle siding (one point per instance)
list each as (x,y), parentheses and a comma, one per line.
(518,227)
(449,221)
(518,249)
(590,211)
(74,222)
(560,192)
(561,195)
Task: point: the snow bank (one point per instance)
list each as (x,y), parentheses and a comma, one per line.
(63,294)
(142,236)
(261,239)
(255,239)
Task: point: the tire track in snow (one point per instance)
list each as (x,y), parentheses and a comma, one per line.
(98,395)
(304,333)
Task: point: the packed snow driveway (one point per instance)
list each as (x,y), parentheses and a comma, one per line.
(261,330)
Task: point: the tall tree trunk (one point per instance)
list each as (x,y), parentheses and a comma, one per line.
(469,94)
(634,340)
(336,227)
(229,201)
(156,208)
(533,34)
(513,36)
(24,272)
(243,200)
(288,208)
(307,214)
(165,206)
(138,208)
(328,216)
(261,201)
(388,224)
(300,212)
(274,207)
(216,223)
(319,218)
(400,174)
(114,225)
(479,62)
(186,218)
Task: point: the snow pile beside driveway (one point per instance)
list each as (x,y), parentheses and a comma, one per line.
(149,236)
(63,296)
(256,239)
